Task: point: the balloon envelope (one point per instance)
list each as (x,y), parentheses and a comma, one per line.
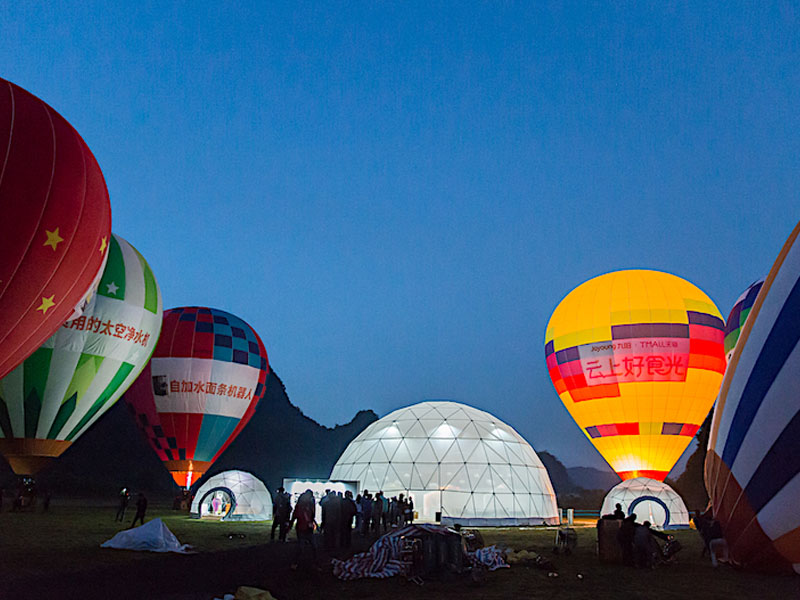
(637,359)
(200,388)
(738,316)
(55,223)
(49,400)
(752,469)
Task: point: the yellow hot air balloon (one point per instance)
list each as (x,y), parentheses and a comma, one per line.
(637,358)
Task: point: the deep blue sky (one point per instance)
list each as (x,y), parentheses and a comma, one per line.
(397,197)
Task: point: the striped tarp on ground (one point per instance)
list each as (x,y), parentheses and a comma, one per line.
(382,560)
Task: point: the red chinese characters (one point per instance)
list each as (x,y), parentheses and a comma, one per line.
(210,388)
(117,330)
(629,368)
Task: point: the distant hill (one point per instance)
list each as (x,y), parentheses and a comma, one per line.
(279,441)
(593,479)
(563,485)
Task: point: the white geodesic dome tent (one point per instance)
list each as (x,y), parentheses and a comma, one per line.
(650,500)
(233,496)
(455,460)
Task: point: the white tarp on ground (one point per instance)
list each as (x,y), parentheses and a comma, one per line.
(153,536)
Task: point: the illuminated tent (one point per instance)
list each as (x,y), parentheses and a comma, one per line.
(738,316)
(455,460)
(55,225)
(650,500)
(200,389)
(49,400)
(637,359)
(233,496)
(752,469)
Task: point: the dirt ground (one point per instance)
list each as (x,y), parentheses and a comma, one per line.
(57,555)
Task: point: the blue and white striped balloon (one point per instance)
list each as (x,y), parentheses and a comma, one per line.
(752,468)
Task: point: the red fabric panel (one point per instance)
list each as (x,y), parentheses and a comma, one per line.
(707,347)
(689,429)
(203,345)
(49,180)
(606,390)
(607,430)
(657,475)
(627,428)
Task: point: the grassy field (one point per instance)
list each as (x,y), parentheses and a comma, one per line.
(58,555)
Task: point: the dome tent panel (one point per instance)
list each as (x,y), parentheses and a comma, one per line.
(249,498)
(456,461)
(650,500)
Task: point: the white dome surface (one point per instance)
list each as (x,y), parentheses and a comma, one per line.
(651,500)
(454,459)
(250,499)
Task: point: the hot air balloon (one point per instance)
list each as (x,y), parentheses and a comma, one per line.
(637,359)
(55,225)
(200,388)
(738,315)
(752,468)
(49,400)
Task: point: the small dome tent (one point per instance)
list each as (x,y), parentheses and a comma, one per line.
(459,464)
(233,496)
(651,500)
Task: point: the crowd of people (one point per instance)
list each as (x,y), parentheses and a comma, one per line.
(342,514)
(637,541)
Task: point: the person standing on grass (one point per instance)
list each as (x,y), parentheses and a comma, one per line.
(303,516)
(349,510)
(366,512)
(124,499)
(141,508)
(281,513)
(625,535)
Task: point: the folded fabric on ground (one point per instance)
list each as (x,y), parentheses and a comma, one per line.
(490,557)
(383,558)
(153,536)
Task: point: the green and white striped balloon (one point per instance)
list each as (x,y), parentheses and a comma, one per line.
(84,368)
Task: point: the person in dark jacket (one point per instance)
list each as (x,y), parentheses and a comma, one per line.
(303,516)
(625,538)
(141,509)
(348,513)
(647,551)
(281,514)
(366,512)
(124,499)
(377,513)
(331,519)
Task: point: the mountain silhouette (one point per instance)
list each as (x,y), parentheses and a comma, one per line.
(279,441)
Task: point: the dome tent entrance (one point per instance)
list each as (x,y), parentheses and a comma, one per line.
(459,464)
(233,496)
(650,500)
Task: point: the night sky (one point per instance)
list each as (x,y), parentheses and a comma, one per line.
(397,197)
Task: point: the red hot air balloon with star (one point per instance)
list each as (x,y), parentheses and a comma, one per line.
(55,223)
(200,388)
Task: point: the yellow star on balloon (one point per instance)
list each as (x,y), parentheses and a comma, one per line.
(53,239)
(47,303)
(102,244)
